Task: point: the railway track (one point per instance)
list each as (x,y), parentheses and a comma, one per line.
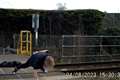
(113,66)
(100,71)
(83,67)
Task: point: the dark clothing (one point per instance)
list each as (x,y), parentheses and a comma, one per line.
(36,61)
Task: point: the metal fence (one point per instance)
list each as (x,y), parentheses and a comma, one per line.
(79,48)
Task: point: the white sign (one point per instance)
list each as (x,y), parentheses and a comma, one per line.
(35,21)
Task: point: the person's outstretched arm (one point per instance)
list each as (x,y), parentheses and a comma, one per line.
(35,75)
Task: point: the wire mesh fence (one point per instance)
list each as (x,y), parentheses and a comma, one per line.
(79,48)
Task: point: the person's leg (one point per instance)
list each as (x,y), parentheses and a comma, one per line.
(25,65)
(35,74)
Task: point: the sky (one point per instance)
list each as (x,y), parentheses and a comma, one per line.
(110,6)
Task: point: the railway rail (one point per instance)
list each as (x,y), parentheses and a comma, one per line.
(113,66)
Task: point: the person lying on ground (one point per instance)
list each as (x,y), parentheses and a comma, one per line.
(39,60)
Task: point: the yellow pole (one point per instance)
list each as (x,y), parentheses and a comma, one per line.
(30,43)
(27,43)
